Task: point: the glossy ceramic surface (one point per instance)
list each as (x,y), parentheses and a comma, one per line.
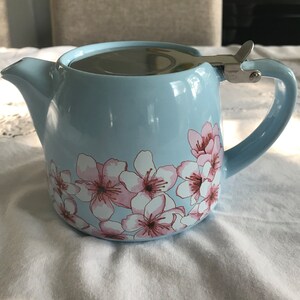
(136,158)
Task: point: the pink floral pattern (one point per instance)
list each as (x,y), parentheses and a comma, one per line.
(142,197)
(155,219)
(197,213)
(203,143)
(99,184)
(212,191)
(67,209)
(215,158)
(148,182)
(60,182)
(202,177)
(195,178)
(109,230)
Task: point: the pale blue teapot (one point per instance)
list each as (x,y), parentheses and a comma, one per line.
(136,158)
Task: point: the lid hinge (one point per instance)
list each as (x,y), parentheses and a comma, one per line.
(232,65)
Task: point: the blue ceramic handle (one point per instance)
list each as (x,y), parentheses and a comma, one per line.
(271,127)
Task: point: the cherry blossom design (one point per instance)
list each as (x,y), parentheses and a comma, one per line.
(207,147)
(198,212)
(212,191)
(108,229)
(60,182)
(109,186)
(157,218)
(99,184)
(195,177)
(212,196)
(67,209)
(149,182)
(203,143)
(215,158)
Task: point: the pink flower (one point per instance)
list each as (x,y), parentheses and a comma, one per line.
(203,143)
(60,182)
(198,212)
(212,191)
(215,158)
(195,176)
(109,230)
(156,218)
(67,209)
(99,184)
(207,147)
(149,182)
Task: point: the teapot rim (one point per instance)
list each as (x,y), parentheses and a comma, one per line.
(67,58)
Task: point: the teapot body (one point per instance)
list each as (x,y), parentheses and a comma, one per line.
(139,157)
(134,157)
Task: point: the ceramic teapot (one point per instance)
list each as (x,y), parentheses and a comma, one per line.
(136,157)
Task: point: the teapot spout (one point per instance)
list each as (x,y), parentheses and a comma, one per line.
(34,78)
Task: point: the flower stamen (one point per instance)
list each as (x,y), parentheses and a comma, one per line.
(195,181)
(154,185)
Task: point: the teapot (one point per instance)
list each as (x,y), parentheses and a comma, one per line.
(139,156)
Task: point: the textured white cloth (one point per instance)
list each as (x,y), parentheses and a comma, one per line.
(249,248)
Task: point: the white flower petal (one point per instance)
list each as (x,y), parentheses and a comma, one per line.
(194,198)
(194,138)
(167,218)
(209,147)
(216,130)
(57,198)
(202,207)
(111,227)
(188,220)
(184,190)
(217,178)
(112,170)
(205,188)
(123,197)
(169,202)
(178,225)
(168,174)
(198,212)
(132,182)
(66,176)
(70,206)
(206,169)
(187,168)
(203,158)
(217,145)
(156,206)
(144,164)
(72,189)
(87,168)
(133,222)
(213,205)
(207,129)
(102,210)
(93,231)
(139,202)
(79,222)
(53,168)
(84,194)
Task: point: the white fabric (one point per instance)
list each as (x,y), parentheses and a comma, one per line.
(249,248)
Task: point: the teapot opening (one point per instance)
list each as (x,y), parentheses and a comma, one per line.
(154,58)
(136,61)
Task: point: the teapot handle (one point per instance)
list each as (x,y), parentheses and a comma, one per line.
(241,155)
